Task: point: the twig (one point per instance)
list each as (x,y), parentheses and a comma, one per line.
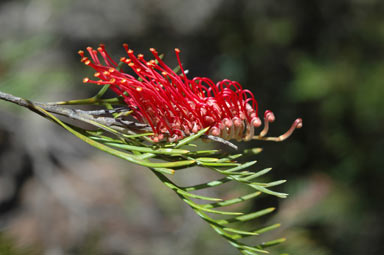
(85,116)
(220,140)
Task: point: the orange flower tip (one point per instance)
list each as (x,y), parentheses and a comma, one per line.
(125,45)
(139,89)
(86,79)
(140,56)
(164,73)
(123,81)
(94,52)
(122,59)
(97,74)
(101,45)
(153,50)
(130,51)
(111,70)
(177,50)
(106,73)
(100,49)
(83,59)
(87,62)
(113,80)
(131,64)
(81,53)
(89,48)
(127,61)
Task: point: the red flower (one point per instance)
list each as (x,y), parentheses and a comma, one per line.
(175,106)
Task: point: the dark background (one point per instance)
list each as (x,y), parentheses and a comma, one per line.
(321,60)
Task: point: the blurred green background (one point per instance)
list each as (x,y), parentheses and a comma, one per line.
(321,60)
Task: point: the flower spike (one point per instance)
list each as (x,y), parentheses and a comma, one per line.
(175,106)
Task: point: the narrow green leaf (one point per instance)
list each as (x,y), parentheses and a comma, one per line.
(257,174)
(233,201)
(246,217)
(268,191)
(240,167)
(230,158)
(221,164)
(259,231)
(265,229)
(241,232)
(246,247)
(199,207)
(102,91)
(203,152)
(182,192)
(270,184)
(272,243)
(208,184)
(137,135)
(187,194)
(191,138)
(239,175)
(207,160)
(246,252)
(164,170)
(173,152)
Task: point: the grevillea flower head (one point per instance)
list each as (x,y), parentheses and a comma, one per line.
(175,106)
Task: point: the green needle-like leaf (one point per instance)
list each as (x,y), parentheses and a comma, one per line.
(240,167)
(222,164)
(270,184)
(247,217)
(268,191)
(257,174)
(172,152)
(242,232)
(202,208)
(191,138)
(208,184)
(164,170)
(233,201)
(272,243)
(269,228)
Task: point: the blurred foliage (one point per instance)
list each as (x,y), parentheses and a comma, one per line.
(9,246)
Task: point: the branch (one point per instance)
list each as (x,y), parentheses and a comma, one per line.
(85,116)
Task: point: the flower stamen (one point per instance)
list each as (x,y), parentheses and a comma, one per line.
(175,106)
